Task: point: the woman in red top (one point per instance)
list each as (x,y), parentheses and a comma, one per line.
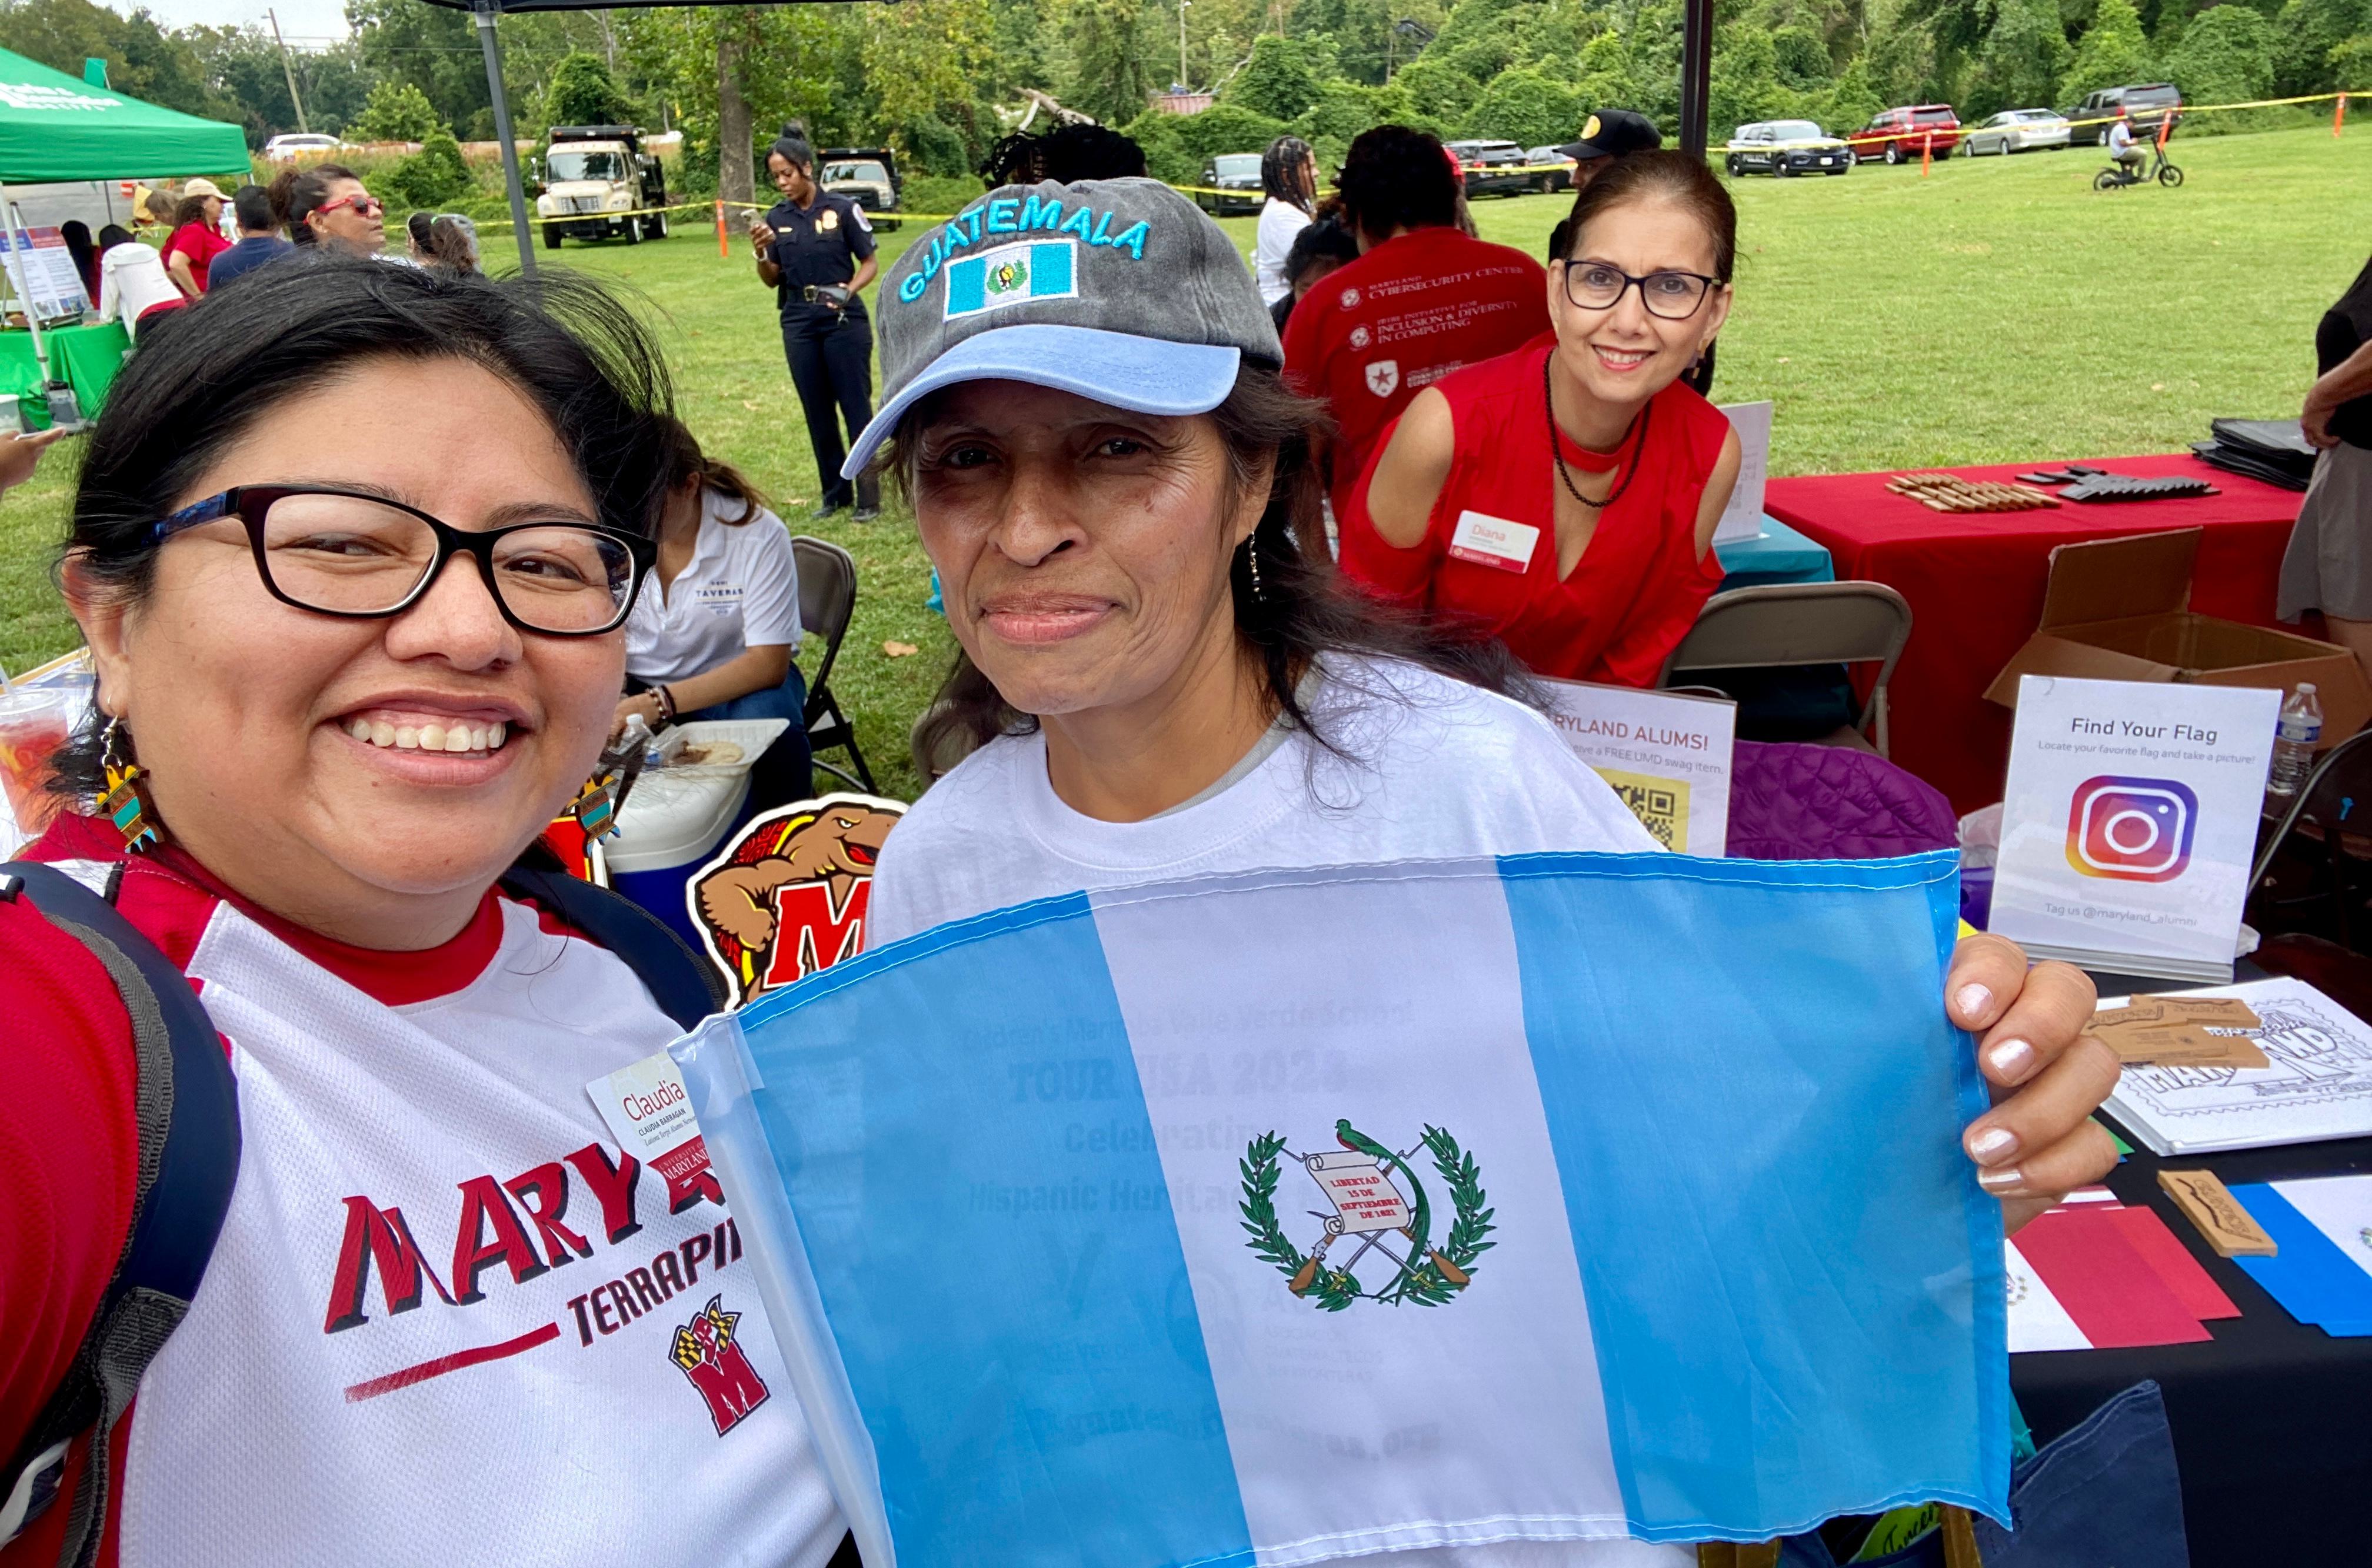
(1562,498)
(197,236)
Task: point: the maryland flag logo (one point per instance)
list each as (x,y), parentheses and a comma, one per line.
(1380,1206)
(787,898)
(709,1351)
(1008,277)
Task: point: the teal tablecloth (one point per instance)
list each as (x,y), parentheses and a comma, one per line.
(86,358)
(1781,555)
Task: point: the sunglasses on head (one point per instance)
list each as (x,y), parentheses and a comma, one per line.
(364,206)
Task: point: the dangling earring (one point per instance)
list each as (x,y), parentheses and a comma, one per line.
(126,802)
(1252,555)
(596,807)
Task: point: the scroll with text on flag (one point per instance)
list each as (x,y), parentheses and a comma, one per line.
(1299,1215)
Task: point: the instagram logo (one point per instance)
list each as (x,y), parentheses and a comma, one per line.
(2131,829)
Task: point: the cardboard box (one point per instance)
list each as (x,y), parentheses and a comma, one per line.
(2119,609)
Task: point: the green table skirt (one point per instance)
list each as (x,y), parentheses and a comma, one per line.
(86,358)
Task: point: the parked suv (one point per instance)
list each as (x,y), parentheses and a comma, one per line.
(1493,168)
(2145,107)
(1551,170)
(1784,147)
(868,175)
(600,184)
(1901,135)
(1231,173)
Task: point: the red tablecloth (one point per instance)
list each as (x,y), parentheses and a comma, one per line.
(1975,585)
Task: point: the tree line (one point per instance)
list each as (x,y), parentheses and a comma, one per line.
(941,80)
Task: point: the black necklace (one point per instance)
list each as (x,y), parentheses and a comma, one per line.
(1556,453)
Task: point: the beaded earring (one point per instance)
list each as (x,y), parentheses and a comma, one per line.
(596,807)
(126,802)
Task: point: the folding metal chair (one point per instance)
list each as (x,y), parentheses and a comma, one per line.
(1783,625)
(827,599)
(2334,858)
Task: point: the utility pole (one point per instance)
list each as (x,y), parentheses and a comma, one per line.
(1183,80)
(287,69)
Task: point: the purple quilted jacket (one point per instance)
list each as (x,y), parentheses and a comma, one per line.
(1804,802)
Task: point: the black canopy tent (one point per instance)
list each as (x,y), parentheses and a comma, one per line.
(1696,73)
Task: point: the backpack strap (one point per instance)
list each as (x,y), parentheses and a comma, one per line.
(686,989)
(186,1106)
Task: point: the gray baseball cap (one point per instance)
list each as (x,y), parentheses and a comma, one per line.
(1118,290)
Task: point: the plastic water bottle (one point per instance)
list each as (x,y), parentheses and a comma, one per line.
(2293,743)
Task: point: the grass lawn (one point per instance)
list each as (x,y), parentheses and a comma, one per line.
(1998,310)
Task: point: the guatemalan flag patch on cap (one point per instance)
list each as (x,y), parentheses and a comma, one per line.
(1045,269)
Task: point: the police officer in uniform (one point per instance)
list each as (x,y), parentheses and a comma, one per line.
(816,250)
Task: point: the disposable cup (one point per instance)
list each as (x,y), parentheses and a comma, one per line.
(33,728)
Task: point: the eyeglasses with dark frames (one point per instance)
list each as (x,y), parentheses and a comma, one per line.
(1673,296)
(346,554)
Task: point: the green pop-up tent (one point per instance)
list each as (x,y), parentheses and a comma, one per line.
(53,126)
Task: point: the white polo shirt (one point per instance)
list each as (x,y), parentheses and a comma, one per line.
(741,591)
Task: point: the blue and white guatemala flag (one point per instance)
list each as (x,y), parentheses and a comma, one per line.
(1294,1216)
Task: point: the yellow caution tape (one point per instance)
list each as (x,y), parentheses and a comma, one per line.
(1961,133)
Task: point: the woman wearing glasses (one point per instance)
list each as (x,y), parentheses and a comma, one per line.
(1562,498)
(354,566)
(326,207)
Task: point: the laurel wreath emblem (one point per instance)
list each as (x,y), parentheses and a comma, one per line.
(1427,1284)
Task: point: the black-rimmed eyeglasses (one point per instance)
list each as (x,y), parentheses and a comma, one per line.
(341,552)
(1675,297)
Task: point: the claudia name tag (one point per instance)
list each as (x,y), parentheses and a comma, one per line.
(1493,541)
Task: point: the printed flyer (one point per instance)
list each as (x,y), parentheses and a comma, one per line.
(1667,754)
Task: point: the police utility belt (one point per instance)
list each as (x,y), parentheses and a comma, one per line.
(824,294)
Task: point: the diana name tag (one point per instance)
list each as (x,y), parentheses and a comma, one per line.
(1493,541)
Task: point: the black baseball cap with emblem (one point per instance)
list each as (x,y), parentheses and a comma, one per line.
(1611,132)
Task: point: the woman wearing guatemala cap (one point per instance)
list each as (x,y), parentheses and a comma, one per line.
(1162,677)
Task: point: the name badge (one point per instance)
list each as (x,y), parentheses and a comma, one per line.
(1493,541)
(648,1110)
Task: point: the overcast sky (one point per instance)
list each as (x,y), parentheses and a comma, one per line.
(310,21)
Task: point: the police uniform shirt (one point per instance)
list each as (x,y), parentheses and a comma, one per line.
(815,246)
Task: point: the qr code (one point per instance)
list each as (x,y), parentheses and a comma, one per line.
(1661,804)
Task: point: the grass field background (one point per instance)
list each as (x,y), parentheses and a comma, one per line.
(1998,310)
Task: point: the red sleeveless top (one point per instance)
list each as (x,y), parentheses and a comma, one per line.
(1637,588)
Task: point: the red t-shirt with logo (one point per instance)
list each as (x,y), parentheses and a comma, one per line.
(446,1310)
(1489,556)
(1380,330)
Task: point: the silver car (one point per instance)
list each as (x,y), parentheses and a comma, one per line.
(2018,131)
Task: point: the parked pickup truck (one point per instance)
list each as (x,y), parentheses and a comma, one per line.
(2146,107)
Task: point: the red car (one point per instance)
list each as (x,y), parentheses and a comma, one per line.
(1901,135)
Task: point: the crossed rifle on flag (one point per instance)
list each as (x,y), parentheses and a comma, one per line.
(1370,1204)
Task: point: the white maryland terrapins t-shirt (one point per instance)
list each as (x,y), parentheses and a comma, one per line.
(448,1319)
